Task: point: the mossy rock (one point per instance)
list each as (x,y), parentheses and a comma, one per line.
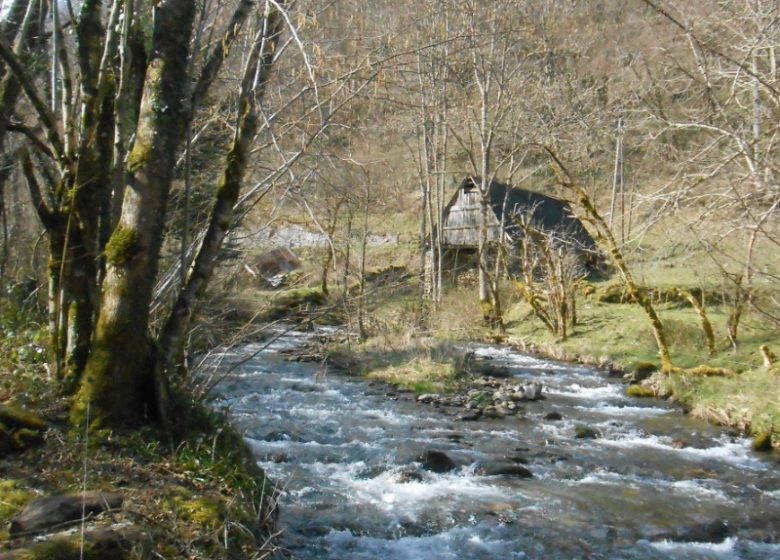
(587,289)
(640,392)
(121,544)
(614,293)
(206,512)
(763,441)
(586,432)
(294,301)
(707,371)
(644,368)
(13,497)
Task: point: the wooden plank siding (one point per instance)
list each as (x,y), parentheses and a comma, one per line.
(461,223)
(461,216)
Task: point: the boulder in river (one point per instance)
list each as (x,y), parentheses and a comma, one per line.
(494,412)
(553,415)
(502,468)
(471,416)
(532,391)
(763,441)
(437,461)
(714,531)
(410,475)
(586,432)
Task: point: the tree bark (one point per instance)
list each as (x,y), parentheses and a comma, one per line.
(117,386)
(255,79)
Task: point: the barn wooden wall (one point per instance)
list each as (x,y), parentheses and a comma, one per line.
(461,225)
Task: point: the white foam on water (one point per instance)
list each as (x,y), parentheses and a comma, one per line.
(631,411)
(407,499)
(390,418)
(734,452)
(518,360)
(694,488)
(577,391)
(726,547)
(454,544)
(699,488)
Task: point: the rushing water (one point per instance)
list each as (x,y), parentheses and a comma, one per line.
(656,485)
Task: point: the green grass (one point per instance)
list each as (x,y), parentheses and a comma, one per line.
(427,366)
(749,401)
(620,333)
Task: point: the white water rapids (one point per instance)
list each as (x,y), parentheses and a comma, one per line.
(655,485)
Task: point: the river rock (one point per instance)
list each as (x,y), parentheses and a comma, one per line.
(471,416)
(52,511)
(279,457)
(714,531)
(491,370)
(763,441)
(280,436)
(427,398)
(532,391)
(494,412)
(553,415)
(586,432)
(437,461)
(502,469)
(409,475)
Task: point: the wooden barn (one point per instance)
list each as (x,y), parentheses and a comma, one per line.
(506,205)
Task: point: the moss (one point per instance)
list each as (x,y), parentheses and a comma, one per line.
(707,371)
(138,156)
(13,497)
(123,246)
(763,441)
(640,392)
(586,432)
(25,438)
(70,549)
(207,512)
(643,369)
(15,417)
(62,549)
(294,301)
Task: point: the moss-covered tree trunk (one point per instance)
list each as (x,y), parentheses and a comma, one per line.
(253,85)
(605,233)
(117,387)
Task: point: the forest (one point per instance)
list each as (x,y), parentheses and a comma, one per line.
(239,237)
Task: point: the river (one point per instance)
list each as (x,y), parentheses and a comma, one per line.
(656,484)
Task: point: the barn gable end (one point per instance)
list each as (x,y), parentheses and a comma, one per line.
(460,220)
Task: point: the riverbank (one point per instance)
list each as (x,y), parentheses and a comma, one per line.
(730,387)
(148,495)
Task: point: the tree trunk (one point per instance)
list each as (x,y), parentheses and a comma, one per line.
(117,387)
(253,86)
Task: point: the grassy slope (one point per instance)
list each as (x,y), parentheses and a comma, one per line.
(620,333)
